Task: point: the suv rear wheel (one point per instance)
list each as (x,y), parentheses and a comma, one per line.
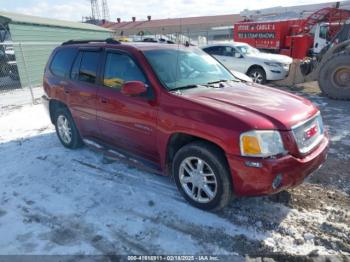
(66,130)
(201,175)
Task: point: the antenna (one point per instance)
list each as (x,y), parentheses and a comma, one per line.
(95,10)
(105,10)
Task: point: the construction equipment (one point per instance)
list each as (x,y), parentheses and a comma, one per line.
(331,68)
(293,37)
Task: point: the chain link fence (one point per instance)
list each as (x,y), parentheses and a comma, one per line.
(21,72)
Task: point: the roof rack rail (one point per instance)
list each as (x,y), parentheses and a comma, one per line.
(108,41)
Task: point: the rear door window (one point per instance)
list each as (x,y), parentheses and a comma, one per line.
(76,67)
(85,66)
(215,50)
(62,62)
(88,67)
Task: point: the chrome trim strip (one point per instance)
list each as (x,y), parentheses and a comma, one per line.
(305,121)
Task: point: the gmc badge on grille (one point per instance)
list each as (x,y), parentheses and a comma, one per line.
(309,133)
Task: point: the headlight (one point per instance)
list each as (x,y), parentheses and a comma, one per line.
(261,143)
(273,64)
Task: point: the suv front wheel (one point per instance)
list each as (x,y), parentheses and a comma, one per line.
(66,130)
(201,175)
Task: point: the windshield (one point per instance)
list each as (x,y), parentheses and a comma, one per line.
(247,49)
(178,68)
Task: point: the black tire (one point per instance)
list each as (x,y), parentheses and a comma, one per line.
(330,82)
(213,157)
(75,141)
(256,73)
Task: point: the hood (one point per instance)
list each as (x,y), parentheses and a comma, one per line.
(272,58)
(255,104)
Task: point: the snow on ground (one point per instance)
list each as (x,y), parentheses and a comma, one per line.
(20,96)
(58,201)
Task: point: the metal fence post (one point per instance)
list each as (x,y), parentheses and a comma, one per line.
(27,74)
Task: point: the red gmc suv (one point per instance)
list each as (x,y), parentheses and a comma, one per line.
(177,111)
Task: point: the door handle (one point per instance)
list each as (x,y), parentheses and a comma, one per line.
(64,84)
(66,90)
(104,100)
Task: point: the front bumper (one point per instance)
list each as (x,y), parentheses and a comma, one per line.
(255,181)
(276,73)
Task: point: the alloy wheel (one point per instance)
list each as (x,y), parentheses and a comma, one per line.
(257,77)
(64,129)
(198,179)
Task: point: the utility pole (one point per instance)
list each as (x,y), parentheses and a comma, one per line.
(95,10)
(105,10)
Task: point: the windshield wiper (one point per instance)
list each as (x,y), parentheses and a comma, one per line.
(184,87)
(223,81)
(217,82)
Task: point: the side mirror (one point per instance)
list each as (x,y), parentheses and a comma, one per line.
(238,55)
(133,88)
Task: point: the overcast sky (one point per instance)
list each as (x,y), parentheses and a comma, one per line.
(75,9)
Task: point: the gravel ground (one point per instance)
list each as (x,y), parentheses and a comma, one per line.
(57,201)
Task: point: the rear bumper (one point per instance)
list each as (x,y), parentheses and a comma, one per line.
(46,102)
(255,181)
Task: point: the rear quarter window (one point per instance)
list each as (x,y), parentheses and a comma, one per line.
(62,62)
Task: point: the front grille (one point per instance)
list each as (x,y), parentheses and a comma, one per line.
(309,134)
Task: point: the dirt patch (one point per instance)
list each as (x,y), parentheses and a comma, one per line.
(309,196)
(331,225)
(335,173)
